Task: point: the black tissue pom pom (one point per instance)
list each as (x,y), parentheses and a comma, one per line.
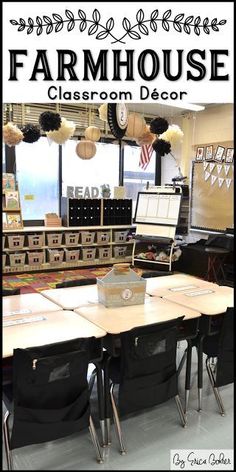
(159,125)
(31,133)
(49,121)
(161,146)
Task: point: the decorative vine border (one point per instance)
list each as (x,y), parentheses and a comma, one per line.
(179,23)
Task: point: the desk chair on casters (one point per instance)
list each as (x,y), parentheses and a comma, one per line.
(221,347)
(50,394)
(76,283)
(145,371)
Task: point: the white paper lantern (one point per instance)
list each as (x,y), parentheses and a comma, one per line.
(85,149)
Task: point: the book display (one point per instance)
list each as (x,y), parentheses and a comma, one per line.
(12,218)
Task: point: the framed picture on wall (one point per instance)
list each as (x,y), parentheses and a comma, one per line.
(199,154)
(209,153)
(219,153)
(229,155)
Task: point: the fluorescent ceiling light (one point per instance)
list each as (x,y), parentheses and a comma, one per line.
(179,104)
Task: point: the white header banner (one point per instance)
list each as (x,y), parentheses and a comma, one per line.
(118,51)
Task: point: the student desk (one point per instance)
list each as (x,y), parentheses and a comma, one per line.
(179,283)
(209,305)
(27,304)
(120,319)
(72,297)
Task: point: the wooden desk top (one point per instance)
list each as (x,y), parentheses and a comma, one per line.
(30,302)
(59,326)
(208,304)
(118,320)
(72,297)
(161,286)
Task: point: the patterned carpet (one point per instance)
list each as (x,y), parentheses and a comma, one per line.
(45,280)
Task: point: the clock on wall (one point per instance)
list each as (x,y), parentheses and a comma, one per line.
(117,115)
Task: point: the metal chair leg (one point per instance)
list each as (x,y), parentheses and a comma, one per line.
(215,389)
(181,364)
(181,411)
(92,380)
(117,422)
(6,440)
(95,441)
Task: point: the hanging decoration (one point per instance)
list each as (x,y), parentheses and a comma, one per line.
(136,126)
(146,138)
(220,181)
(12,135)
(206,176)
(211,166)
(205,165)
(159,125)
(161,147)
(228,182)
(64,133)
(85,149)
(31,133)
(219,168)
(173,134)
(213,179)
(92,133)
(226,168)
(103,112)
(117,116)
(49,121)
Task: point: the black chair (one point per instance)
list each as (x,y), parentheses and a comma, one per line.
(221,347)
(50,395)
(10,291)
(157,273)
(145,371)
(76,283)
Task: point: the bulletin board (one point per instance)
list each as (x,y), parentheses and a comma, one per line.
(212,191)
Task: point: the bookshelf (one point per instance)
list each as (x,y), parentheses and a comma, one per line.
(11,208)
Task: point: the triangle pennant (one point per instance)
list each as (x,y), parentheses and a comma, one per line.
(211,166)
(228,182)
(220,181)
(219,167)
(207,175)
(213,179)
(226,168)
(205,165)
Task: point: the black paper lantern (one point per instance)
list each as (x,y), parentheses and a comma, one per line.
(49,121)
(161,146)
(159,125)
(31,133)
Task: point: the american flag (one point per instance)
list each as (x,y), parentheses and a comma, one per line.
(145,155)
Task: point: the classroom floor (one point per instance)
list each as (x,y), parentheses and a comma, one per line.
(149,435)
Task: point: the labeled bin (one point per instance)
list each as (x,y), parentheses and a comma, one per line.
(35,240)
(88,254)
(121,287)
(17,259)
(120,251)
(72,255)
(54,239)
(87,237)
(71,239)
(104,253)
(35,258)
(55,256)
(120,236)
(103,237)
(16,241)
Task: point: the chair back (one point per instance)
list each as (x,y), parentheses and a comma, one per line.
(50,392)
(225,357)
(157,273)
(10,291)
(148,365)
(76,283)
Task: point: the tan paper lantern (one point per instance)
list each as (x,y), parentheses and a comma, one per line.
(92,133)
(136,125)
(146,138)
(85,149)
(103,112)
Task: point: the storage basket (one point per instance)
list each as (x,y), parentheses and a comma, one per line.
(35,240)
(120,251)
(17,259)
(4,257)
(104,252)
(120,236)
(16,241)
(54,239)
(55,256)
(87,237)
(35,258)
(72,255)
(103,237)
(88,254)
(71,239)
(121,287)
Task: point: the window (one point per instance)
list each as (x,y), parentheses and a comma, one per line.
(103,168)
(135,178)
(37,173)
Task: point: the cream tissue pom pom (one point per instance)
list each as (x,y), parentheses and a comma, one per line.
(173,134)
(64,133)
(12,135)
